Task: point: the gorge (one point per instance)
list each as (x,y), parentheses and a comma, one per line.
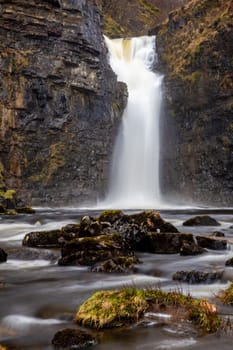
(60,105)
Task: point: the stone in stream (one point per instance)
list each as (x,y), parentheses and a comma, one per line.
(3,256)
(191,248)
(104,253)
(71,338)
(195,277)
(47,239)
(212,243)
(229,262)
(203,220)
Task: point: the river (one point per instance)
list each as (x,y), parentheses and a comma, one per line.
(38,297)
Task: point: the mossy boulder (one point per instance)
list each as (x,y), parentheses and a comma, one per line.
(163,243)
(71,338)
(111,250)
(90,227)
(3,256)
(72,228)
(202,220)
(47,239)
(117,308)
(111,216)
(25,210)
(211,243)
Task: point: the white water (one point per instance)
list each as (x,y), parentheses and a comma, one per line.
(134,179)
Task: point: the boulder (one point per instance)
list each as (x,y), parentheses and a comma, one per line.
(25,210)
(71,338)
(47,239)
(26,253)
(3,256)
(194,277)
(136,226)
(118,264)
(229,262)
(163,242)
(2,209)
(191,248)
(72,228)
(204,220)
(217,234)
(212,243)
(109,250)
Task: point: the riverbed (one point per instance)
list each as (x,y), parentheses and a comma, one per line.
(38,297)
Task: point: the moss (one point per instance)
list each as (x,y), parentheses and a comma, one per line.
(110,215)
(227,295)
(112,308)
(9,194)
(107,309)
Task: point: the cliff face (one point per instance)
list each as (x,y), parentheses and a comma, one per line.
(124,18)
(60,103)
(195,49)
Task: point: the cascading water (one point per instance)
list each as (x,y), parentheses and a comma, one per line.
(134,179)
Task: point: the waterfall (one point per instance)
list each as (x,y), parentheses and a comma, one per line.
(134,178)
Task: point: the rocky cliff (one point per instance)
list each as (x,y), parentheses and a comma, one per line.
(124,18)
(60,103)
(196,55)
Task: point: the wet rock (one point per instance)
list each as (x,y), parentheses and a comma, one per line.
(3,256)
(92,250)
(195,277)
(47,239)
(229,262)
(217,234)
(90,227)
(135,227)
(191,248)
(72,228)
(204,220)
(118,264)
(211,243)
(111,216)
(70,338)
(25,210)
(163,243)
(25,253)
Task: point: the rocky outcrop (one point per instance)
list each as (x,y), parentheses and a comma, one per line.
(195,51)
(60,103)
(135,17)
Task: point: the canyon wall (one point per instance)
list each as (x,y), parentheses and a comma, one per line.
(196,56)
(60,103)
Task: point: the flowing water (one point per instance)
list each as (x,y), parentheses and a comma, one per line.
(134,178)
(38,297)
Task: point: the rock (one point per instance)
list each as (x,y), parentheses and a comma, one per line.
(70,338)
(118,264)
(163,243)
(25,210)
(196,161)
(2,209)
(229,262)
(72,228)
(25,253)
(3,256)
(47,239)
(191,248)
(217,234)
(112,251)
(90,227)
(204,220)
(136,226)
(211,243)
(65,104)
(111,216)
(195,277)
(90,250)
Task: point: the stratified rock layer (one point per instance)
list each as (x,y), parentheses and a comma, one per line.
(195,49)
(60,103)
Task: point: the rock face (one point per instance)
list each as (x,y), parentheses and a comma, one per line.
(60,103)
(195,50)
(135,17)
